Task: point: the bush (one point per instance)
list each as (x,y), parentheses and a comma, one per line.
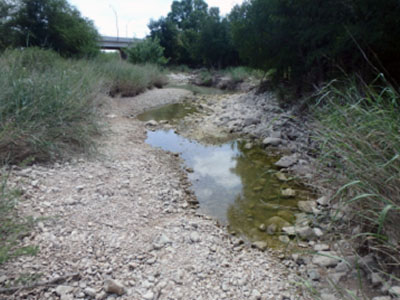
(47,105)
(360,138)
(147,51)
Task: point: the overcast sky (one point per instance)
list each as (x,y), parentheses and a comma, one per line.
(133,15)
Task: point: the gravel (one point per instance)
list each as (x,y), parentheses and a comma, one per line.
(122,220)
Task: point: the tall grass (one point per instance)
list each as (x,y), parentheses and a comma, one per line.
(360,138)
(127,80)
(48,105)
(239,74)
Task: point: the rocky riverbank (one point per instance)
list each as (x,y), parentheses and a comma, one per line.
(120,226)
(327,262)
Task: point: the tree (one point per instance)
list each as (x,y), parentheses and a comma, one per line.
(309,41)
(53,24)
(194,35)
(147,51)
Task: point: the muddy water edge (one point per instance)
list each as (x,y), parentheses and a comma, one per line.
(234,181)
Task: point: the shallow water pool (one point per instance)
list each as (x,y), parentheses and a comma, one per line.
(237,186)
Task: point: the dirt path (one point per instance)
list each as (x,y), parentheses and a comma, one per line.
(124,216)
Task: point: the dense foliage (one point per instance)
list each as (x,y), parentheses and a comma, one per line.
(147,51)
(307,42)
(194,35)
(52,24)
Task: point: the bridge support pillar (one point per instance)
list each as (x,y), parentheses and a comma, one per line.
(123,54)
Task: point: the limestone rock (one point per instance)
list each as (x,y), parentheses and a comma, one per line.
(114,287)
(63,290)
(281,176)
(289,230)
(271,141)
(278,222)
(287,161)
(289,193)
(260,245)
(149,295)
(305,232)
(306,206)
(151,123)
(395,291)
(325,259)
(195,237)
(328,297)
(323,201)
(90,292)
(160,241)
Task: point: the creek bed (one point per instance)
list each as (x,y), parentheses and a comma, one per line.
(236,184)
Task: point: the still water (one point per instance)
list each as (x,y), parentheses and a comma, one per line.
(235,185)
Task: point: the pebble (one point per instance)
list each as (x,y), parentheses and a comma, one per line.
(325,259)
(90,292)
(114,287)
(149,295)
(194,237)
(260,245)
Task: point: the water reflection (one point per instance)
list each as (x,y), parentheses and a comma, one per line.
(170,112)
(233,184)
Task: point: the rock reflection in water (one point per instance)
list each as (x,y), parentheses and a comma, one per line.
(233,184)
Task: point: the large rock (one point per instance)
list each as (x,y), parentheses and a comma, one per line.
(271,141)
(287,161)
(325,259)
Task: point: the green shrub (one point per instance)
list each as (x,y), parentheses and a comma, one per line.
(147,51)
(47,105)
(360,138)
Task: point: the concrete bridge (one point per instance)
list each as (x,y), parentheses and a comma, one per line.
(116,43)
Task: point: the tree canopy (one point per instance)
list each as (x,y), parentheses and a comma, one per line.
(195,35)
(52,24)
